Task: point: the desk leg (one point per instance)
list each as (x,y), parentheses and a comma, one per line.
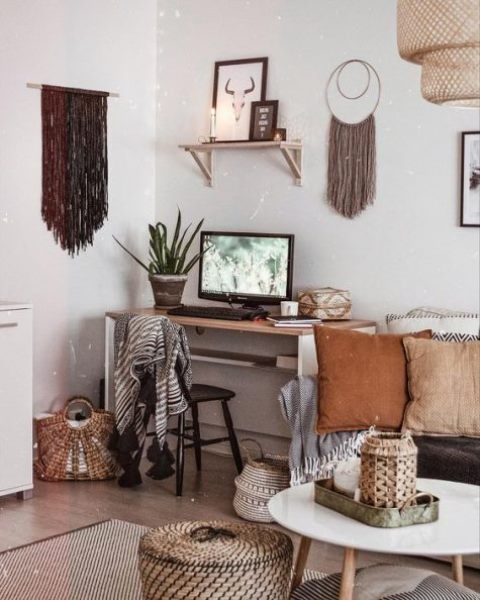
(457,568)
(348,574)
(109,390)
(307,356)
(301,561)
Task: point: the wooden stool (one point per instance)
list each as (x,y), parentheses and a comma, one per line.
(203,393)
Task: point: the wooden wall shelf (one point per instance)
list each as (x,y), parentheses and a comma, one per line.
(291,151)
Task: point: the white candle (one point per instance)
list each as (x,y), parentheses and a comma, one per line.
(212,123)
(347,476)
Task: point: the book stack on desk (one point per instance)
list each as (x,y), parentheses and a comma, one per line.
(297,321)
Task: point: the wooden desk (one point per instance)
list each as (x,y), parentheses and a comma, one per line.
(307,360)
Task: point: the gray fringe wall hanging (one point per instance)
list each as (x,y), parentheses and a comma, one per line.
(352,152)
(75,164)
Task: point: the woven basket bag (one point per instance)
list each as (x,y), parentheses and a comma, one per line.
(259,481)
(388,476)
(215,560)
(67,452)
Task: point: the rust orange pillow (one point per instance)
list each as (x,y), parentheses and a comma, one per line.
(362,379)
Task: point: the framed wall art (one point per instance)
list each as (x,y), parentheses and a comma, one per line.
(237,83)
(263,120)
(470,183)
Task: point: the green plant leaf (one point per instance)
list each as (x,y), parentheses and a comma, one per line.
(179,248)
(143,265)
(187,248)
(158,250)
(195,259)
(176,234)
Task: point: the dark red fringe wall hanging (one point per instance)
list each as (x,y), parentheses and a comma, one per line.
(75,165)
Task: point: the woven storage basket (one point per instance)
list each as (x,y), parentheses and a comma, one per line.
(388,469)
(325,303)
(259,481)
(215,560)
(75,452)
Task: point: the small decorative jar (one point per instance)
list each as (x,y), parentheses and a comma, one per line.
(388,475)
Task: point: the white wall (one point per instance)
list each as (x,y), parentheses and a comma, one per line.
(108,45)
(405,251)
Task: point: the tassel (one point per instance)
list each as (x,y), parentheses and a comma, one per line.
(162,461)
(351,166)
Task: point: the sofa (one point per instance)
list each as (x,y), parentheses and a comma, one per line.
(313,456)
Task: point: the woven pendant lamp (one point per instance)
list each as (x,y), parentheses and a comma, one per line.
(444,37)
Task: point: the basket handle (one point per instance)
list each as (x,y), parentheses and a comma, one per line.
(77,400)
(206,533)
(247,450)
(409,501)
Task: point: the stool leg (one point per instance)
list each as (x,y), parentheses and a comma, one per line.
(231,436)
(180,452)
(196,436)
(457,569)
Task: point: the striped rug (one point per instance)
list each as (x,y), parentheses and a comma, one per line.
(98,562)
(94,563)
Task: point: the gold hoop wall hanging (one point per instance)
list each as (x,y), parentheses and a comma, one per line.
(352,150)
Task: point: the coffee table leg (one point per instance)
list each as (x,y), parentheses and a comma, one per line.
(348,574)
(457,568)
(301,561)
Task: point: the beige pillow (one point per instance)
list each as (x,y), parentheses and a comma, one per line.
(444,385)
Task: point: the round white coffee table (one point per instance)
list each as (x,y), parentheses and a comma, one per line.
(456,532)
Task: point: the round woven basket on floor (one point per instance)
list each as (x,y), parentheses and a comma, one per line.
(388,469)
(210,560)
(259,481)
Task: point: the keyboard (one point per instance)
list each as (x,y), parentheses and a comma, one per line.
(217,312)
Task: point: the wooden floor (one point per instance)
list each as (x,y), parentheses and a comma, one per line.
(60,507)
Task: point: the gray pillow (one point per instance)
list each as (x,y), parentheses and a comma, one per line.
(385,582)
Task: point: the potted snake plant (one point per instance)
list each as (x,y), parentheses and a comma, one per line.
(168,266)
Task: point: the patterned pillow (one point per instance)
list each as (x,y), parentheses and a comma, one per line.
(386,582)
(441,336)
(438,320)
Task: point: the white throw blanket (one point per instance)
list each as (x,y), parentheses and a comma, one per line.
(313,456)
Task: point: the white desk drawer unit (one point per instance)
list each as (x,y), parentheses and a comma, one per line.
(16,399)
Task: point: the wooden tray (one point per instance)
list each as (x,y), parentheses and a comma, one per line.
(425,511)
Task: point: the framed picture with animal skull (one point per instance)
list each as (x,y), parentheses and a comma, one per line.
(237,83)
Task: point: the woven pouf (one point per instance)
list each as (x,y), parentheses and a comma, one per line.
(215,559)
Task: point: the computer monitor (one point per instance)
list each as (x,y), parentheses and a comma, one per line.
(248,268)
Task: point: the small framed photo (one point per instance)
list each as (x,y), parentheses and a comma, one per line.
(470,194)
(237,83)
(263,120)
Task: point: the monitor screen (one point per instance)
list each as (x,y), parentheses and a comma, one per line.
(246,267)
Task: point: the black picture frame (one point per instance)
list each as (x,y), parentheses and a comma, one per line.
(263,132)
(232,103)
(470,180)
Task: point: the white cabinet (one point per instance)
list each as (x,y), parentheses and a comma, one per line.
(15,399)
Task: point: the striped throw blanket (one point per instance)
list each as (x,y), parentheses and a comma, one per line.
(155,347)
(313,456)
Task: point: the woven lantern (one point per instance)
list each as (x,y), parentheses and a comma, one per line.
(388,475)
(444,37)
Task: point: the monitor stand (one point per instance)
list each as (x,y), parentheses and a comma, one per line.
(251,306)
(257,310)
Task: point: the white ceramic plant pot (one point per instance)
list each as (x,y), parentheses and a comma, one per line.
(167,289)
